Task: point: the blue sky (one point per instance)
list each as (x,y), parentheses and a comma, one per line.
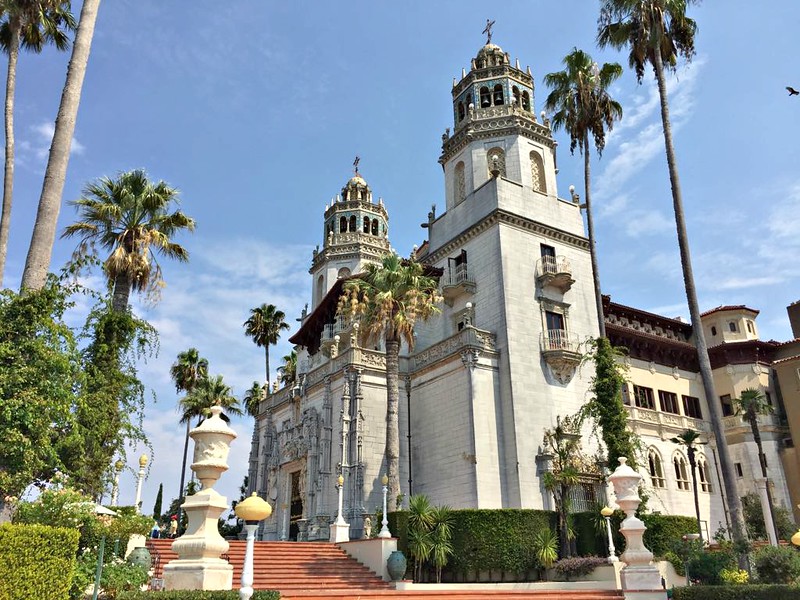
(255,111)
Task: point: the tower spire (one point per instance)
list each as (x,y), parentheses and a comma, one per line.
(355,164)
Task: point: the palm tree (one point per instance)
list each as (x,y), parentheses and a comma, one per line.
(252,398)
(441,538)
(288,372)
(581,105)
(40,250)
(265,325)
(690,439)
(209,392)
(388,299)
(750,405)
(420,523)
(129,216)
(187,371)
(658,32)
(31,25)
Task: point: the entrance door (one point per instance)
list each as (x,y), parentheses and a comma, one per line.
(296,507)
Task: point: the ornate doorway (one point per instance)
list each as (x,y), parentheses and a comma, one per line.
(295,506)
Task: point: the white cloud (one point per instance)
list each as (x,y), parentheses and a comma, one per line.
(33,147)
(641,222)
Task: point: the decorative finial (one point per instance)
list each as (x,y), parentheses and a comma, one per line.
(355,164)
(488,31)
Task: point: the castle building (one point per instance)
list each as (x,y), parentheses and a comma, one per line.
(501,363)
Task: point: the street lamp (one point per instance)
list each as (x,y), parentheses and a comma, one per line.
(340,486)
(118,466)
(607,511)
(385,533)
(142,464)
(796,539)
(252,510)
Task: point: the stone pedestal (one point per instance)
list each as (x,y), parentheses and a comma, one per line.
(340,532)
(640,578)
(199,566)
(761,486)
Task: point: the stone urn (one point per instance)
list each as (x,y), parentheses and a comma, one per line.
(141,557)
(396,565)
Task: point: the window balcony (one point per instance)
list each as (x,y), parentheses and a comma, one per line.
(765,422)
(560,351)
(646,421)
(339,327)
(455,282)
(555,271)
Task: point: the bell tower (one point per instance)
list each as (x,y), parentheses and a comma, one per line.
(356,232)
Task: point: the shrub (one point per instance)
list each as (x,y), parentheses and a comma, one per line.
(705,567)
(737,592)
(777,564)
(196,595)
(36,561)
(754,518)
(120,576)
(578,566)
(734,576)
(663,531)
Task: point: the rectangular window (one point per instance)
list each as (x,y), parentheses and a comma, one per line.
(668,402)
(739,471)
(626,395)
(768,397)
(556,332)
(732,326)
(457,268)
(691,407)
(547,250)
(727,405)
(644,397)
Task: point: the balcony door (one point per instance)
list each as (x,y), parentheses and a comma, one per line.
(556,334)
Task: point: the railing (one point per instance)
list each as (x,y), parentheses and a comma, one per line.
(558,339)
(553,265)
(331,330)
(664,419)
(458,274)
(734,421)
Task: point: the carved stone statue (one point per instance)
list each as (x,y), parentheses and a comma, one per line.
(367,527)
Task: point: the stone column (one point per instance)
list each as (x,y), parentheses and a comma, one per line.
(199,566)
(641,579)
(761,486)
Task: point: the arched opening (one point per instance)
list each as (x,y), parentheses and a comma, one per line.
(702,474)
(679,463)
(526,100)
(320,288)
(343,225)
(538,182)
(486,97)
(498,95)
(375,227)
(656,469)
(461,112)
(516,99)
(353,223)
(460,182)
(366,224)
(496,159)
(343,273)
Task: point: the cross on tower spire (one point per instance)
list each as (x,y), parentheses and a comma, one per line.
(488,31)
(355,164)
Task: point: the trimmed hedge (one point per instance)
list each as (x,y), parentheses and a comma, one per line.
(36,561)
(737,592)
(196,595)
(663,531)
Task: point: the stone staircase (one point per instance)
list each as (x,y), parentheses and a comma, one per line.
(318,570)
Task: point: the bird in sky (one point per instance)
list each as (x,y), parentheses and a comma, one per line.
(792,91)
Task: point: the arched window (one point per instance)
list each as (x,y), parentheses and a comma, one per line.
(366,224)
(516,99)
(526,100)
(486,97)
(656,468)
(343,225)
(460,182)
(343,272)
(538,182)
(679,463)
(702,474)
(375,227)
(353,223)
(498,95)
(496,159)
(320,288)
(461,112)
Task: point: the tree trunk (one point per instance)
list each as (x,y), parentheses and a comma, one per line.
(693,466)
(183,473)
(122,293)
(762,460)
(726,464)
(587,168)
(266,354)
(40,250)
(8,178)
(392,420)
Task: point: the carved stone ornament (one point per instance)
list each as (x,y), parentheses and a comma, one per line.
(562,365)
(212,439)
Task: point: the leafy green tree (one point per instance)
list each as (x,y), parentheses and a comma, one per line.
(158,502)
(40,250)
(186,372)
(288,371)
(658,32)
(130,217)
(562,442)
(264,327)
(582,106)
(252,398)
(388,300)
(30,25)
(690,440)
(750,405)
(40,375)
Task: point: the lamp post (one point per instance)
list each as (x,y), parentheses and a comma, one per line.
(285,528)
(607,511)
(142,464)
(118,466)
(688,539)
(252,510)
(340,487)
(385,533)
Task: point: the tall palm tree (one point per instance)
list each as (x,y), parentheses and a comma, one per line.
(690,440)
(210,391)
(129,216)
(187,371)
(30,24)
(287,374)
(264,326)
(750,405)
(388,299)
(581,105)
(252,398)
(657,32)
(40,250)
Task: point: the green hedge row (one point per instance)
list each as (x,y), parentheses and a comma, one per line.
(737,592)
(36,561)
(196,595)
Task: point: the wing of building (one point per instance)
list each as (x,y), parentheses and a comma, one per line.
(502,361)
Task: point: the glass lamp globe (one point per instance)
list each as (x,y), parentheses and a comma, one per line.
(607,511)
(385,480)
(253,509)
(143,460)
